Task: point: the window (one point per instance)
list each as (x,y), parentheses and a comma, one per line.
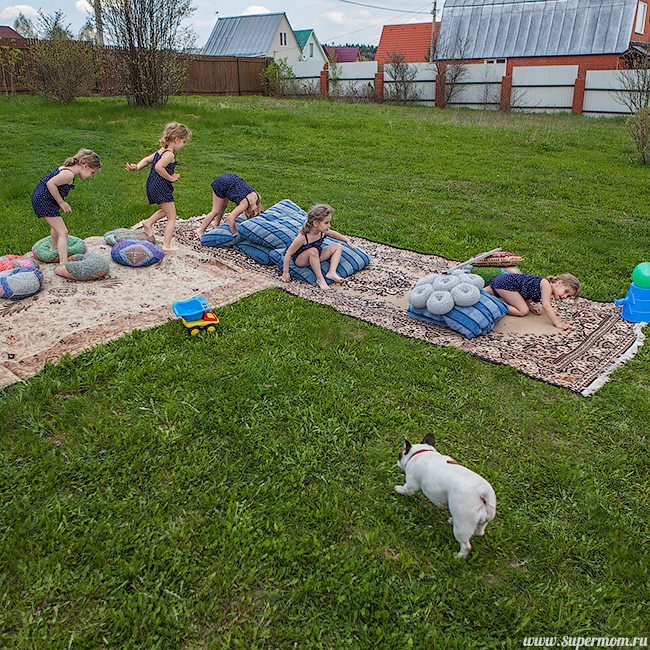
(283,38)
(311,50)
(501,60)
(640,18)
(489,60)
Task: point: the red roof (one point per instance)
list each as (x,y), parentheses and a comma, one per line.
(7,32)
(342,54)
(413,41)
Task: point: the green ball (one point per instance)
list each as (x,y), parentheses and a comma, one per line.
(641,275)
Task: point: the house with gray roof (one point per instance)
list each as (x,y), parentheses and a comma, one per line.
(310,47)
(264,35)
(595,34)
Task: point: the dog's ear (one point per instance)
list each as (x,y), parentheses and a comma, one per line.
(429,439)
(407,446)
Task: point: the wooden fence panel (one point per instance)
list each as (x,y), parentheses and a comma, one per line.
(206,75)
(225,75)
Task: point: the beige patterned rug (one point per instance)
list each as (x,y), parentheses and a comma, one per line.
(67,317)
(580,359)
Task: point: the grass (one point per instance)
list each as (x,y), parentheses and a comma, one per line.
(162,491)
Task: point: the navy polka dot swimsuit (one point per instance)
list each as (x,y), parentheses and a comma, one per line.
(318,245)
(232,187)
(159,189)
(43,202)
(529,286)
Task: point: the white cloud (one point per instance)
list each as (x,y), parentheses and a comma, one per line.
(254,10)
(9,13)
(335,17)
(84,7)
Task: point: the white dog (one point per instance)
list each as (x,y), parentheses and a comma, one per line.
(469,497)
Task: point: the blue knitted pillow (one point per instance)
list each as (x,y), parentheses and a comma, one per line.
(480,318)
(259,253)
(137,253)
(221,237)
(20,283)
(351,260)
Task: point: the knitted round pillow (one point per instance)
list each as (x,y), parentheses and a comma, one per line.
(8,262)
(465,294)
(419,295)
(112,237)
(90,266)
(472,278)
(445,282)
(20,283)
(440,302)
(427,279)
(137,253)
(42,252)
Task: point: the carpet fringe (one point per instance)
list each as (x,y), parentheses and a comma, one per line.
(626,356)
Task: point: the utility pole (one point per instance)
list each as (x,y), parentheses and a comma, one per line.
(432,50)
(99,23)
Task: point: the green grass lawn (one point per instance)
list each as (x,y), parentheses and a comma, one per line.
(236,491)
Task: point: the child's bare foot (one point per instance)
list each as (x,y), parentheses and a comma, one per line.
(535,309)
(199,232)
(322,284)
(170,247)
(335,276)
(147,228)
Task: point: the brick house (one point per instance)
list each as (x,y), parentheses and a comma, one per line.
(595,35)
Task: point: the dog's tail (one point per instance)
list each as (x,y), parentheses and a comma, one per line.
(489,508)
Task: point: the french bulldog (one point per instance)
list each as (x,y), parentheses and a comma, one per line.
(447,484)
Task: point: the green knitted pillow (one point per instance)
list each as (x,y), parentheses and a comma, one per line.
(42,252)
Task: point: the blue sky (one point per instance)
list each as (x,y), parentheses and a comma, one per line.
(334,21)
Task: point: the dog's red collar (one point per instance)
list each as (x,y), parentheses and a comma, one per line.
(451,461)
(415,453)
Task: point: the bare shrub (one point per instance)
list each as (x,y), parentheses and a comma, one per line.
(157,47)
(638,126)
(402,90)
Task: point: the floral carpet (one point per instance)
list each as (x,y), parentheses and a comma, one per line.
(580,359)
(67,317)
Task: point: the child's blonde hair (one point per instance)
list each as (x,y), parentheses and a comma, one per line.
(172,131)
(255,209)
(569,280)
(317,213)
(84,157)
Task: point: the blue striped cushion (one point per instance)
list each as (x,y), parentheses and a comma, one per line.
(468,321)
(351,260)
(221,237)
(259,253)
(276,227)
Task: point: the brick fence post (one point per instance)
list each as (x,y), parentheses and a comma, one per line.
(440,86)
(379,84)
(506,90)
(579,92)
(325,82)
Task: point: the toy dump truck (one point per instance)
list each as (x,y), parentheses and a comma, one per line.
(196,315)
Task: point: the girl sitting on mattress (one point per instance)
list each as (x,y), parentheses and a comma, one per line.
(308,248)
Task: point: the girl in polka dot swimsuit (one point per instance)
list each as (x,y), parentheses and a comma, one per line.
(160,190)
(522,290)
(308,248)
(49,195)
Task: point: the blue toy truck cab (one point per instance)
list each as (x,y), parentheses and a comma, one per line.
(196,315)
